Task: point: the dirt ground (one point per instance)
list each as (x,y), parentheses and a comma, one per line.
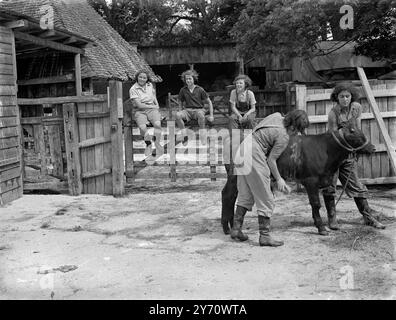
(164,240)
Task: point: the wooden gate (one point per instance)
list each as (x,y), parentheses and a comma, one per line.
(10,149)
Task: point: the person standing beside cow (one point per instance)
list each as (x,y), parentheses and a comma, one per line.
(243,104)
(261,151)
(347,107)
(192,99)
(142,94)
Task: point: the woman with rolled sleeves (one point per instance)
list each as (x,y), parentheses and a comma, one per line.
(142,94)
(347,107)
(254,168)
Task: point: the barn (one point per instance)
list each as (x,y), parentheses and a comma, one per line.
(60,59)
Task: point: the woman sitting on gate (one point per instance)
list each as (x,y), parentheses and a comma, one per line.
(243,104)
(254,169)
(346,96)
(143,97)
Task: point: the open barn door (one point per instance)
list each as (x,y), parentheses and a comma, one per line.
(11,186)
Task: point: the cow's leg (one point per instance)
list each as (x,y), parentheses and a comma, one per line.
(314,200)
(228,197)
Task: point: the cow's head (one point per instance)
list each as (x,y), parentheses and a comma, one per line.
(355,138)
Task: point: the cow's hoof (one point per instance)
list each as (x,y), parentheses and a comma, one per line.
(226,228)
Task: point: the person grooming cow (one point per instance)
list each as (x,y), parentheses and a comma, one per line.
(267,142)
(346,96)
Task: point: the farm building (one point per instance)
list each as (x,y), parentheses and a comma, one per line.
(54,55)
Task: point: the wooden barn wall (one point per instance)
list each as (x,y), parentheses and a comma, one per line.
(186,55)
(11,186)
(374,168)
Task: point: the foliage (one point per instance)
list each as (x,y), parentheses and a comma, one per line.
(295,27)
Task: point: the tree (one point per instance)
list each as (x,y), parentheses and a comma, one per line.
(295,27)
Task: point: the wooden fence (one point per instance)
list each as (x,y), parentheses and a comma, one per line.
(79,140)
(372,169)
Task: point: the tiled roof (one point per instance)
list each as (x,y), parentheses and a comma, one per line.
(110,57)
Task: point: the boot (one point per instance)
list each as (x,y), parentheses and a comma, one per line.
(331,212)
(236,232)
(264,229)
(367,213)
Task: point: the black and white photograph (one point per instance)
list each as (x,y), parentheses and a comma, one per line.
(181,151)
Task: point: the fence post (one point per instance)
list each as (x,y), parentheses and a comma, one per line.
(301,97)
(128,143)
(72,149)
(116,115)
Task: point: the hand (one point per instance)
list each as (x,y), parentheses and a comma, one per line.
(210,118)
(240,118)
(282,186)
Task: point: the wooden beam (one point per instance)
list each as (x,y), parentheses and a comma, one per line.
(61,100)
(77,66)
(47,43)
(378,117)
(47,80)
(15,24)
(70,40)
(115,96)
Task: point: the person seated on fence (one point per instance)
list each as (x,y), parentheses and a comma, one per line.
(142,94)
(346,96)
(191,100)
(262,148)
(243,104)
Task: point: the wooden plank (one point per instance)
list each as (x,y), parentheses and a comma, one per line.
(47,43)
(96,174)
(77,74)
(60,186)
(6,69)
(9,185)
(54,137)
(5,58)
(383,180)
(32,120)
(10,142)
(8,132)
(10,196)
(172,149)
(6,48)
(115,90)
(377,114)
(8,101)
(93,141)
(8,111)
(91,115)
(41,145)
(367,173)
(60,100)
(99,165)
(7,90)
(326,96)
(6,122)
(366,115)
(72,150)
(91,161)
(47,80)
(82,129)
(4,162)
(6,79)
(10,174)
(108,178)
(301,97)
(375,157)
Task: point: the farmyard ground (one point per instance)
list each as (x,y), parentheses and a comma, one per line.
(164,241)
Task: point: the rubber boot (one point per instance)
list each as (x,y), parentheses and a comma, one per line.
(367,213)
(264,229)
(236,232)
(331,212)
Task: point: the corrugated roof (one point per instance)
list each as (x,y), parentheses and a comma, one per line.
(110,57)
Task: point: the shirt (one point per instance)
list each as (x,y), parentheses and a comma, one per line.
(144,94)
(339,114)
(195,99)
(245,96)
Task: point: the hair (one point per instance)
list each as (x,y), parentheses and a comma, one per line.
(248,81)
(190,72)
(345,87)
(297,120)
(149,79)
